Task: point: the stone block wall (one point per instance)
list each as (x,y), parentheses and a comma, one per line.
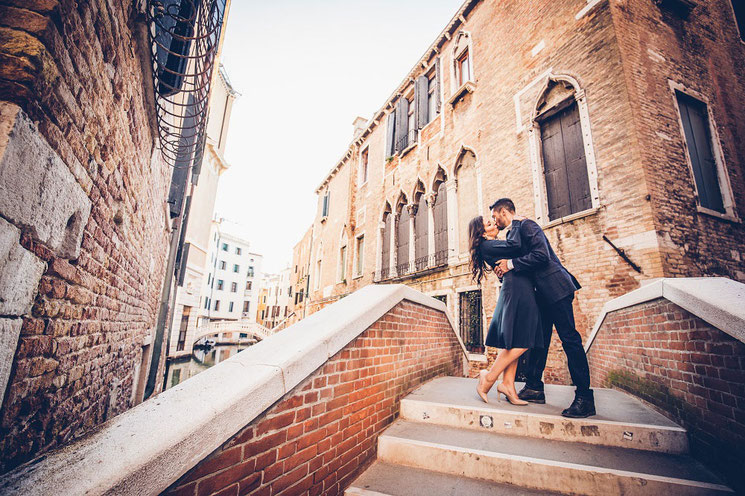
(693,372)
(83,228)
(321,435)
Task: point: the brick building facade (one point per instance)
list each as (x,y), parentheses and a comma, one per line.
(612,123)
(84,222)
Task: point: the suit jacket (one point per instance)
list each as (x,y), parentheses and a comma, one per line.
(552,281)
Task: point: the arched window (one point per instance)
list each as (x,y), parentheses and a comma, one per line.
(566,172)
(440,212)
(385,265)
(341,274)
(468,207)
(402,236)
(421,228)
(319,258)
(462,68)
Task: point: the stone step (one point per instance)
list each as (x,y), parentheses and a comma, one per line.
(384,479)
(543,464)
(621,420)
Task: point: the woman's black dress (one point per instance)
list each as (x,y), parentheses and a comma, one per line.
(516,322)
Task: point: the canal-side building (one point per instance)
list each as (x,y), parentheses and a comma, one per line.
(194,253)
(299,277)
(274,299)
(613,124)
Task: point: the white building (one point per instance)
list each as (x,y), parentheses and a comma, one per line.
(276,293)
(230,290)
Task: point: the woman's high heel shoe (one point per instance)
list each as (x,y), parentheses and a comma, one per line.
(481,389)
(510,397)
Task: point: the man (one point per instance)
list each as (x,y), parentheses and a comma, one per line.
(555,288)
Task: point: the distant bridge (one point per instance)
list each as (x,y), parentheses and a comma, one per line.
(252,329)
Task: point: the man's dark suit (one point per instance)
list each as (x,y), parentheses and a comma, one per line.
(555,288)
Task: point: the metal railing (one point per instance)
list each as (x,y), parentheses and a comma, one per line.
(407,140)
(415,267)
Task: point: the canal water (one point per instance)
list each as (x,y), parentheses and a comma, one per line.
(181,369)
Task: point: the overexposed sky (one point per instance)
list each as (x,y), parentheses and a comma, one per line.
(305,69)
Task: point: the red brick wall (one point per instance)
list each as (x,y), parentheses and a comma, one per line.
(321,435)
(690,370)
(75,70)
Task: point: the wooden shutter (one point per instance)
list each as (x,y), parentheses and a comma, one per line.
(421,231)
(390,135)
(437,85)
(386,262)
(441,225)
(402,123)
(565,167)
(695,119)
(421,92)
(402,242)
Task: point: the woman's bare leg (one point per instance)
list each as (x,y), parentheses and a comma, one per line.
(507,387)
(504,359)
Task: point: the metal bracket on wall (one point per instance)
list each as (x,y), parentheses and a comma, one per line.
(622,253)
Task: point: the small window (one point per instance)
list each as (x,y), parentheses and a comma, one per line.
(250,271)
(236,268)
(230,307)
(411,122)
(248,285)
(325,207)
(363,171)
(217,305)
(360,255)
(432,96)
(233,287)
(222,264)
(206,303)
(343,264)
(694,115)
(463,68)
(220,284)
(238,250)
(246,306)
(224,247)
(209,279)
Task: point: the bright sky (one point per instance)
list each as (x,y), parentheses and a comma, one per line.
(306,69)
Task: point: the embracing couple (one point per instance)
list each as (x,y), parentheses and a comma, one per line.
(536,296)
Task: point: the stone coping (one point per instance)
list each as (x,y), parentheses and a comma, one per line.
(717,300)
(145,449)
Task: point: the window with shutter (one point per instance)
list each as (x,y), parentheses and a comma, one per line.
(360,255)
(390,132)
(565,167)
(441,225)
(402,242)
(421,232)
(385,266)
(363,166)
(695,117)
(402,123)
(325,208)
(421,96)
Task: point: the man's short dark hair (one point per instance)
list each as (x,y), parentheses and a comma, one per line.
(503,203)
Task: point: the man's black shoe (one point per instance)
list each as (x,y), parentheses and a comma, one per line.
(531,395)
(580,408)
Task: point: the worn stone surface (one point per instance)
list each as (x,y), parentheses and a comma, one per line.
(9,332)
(38,192)
(20,271)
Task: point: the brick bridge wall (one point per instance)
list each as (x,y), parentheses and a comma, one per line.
(72,82)
(320,436)
(691,371)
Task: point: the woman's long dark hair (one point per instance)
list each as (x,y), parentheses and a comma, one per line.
(475,237)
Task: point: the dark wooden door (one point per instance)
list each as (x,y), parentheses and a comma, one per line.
(695,119)
(441,225)
(565,166)
(471,328)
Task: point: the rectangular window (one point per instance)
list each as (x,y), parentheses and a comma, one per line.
(738,6)
(217,305)
(220,284)
(222,264)
(238,250)
(464,68)
(360,255)
(262,315)
(432,96)
(411,122)
(236,268)
(250,271)
(565,167)
(183,328)
(696,129)
(363,170)
(209,279)
(206,303)
(343,263)
(233,287)
(246,306)
(471,330)
(248,285)
(325,208)
(224,247)
(230,307)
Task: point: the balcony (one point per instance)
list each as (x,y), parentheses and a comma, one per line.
(415,268)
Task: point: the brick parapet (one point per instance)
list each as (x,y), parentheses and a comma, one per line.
(320,435)
(691,371)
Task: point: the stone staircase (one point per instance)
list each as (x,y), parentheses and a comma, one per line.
(448,442)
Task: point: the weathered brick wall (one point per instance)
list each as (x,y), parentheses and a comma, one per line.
(75,69)
(321,435)
(690,370)
(702,52)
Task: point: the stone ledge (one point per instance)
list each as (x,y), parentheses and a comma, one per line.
(717,300)
(146,449)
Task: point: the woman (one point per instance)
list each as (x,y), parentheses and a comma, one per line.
(516,324)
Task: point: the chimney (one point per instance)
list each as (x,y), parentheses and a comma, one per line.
(359,126)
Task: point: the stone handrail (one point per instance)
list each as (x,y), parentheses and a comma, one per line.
(245,326)
(717,300)
(147,448)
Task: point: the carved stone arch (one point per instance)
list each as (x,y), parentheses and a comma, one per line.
(461,42)
(556,89)
(439,177)
(386,211)
(401,202)
(418,191)
(463,152)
